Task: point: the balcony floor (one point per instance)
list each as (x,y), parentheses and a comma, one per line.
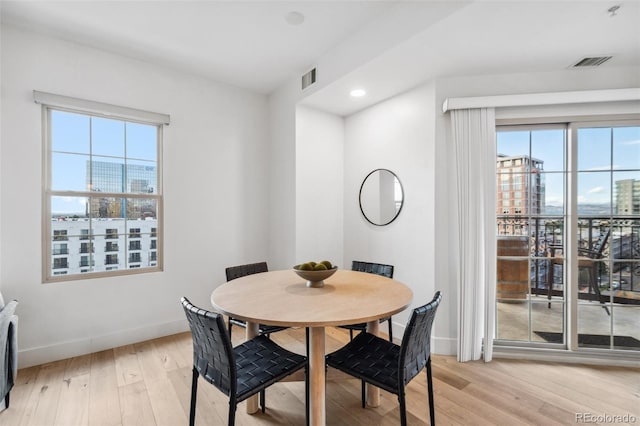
(513,319)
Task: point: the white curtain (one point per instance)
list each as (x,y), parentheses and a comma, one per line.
(473,132)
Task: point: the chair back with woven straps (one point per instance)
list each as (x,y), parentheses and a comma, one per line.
(212,349)
(415,349)
(373,268)
(234,272)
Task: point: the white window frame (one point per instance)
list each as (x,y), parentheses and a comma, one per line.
(55,102)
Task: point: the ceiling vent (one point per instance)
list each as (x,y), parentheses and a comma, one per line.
(591,62)
(308,79)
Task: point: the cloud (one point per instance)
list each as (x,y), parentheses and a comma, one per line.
(636,142)
(596,190)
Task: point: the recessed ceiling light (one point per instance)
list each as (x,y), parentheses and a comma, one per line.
(294,18)
(357,93)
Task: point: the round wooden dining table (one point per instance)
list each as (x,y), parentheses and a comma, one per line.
(282,298)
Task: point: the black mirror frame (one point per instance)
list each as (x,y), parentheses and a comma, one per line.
(360,197)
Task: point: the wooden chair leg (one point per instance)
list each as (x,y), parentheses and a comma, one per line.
(432,408)
(194,391)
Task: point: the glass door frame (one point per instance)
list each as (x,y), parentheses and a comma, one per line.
(570,232)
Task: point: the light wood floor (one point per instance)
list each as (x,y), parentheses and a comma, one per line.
(149,383)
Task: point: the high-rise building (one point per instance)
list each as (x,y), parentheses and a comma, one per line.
(518,178)
(105,176)
(520,192)
(627,196)
(114,177)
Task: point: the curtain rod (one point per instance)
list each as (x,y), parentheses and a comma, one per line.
(551,98)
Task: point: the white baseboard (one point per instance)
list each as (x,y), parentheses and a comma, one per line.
(444,345)
(44,354)
(439,345)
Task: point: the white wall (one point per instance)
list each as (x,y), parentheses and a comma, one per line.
(397,134)
(319,186)
(215,182)
(282,176)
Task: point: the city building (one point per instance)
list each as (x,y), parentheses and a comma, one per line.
(627,197)
(83,245)
(520,192)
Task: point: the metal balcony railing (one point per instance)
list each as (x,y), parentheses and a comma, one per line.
(619,269)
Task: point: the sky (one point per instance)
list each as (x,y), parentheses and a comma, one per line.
(604,156)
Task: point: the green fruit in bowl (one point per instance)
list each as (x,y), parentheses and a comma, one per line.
(305,267)
(312,263)
(327,264)
(320,267)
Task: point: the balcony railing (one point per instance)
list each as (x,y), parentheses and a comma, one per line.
(618,270)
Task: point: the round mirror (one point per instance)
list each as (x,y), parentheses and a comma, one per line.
(381,197)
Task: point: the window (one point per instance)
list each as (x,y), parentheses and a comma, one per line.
(60,263)
(134,257)
(153,245)
(103,183)
(517,182)
(85,261)
(60,235)
(86,248)
(111,246)
(60,249)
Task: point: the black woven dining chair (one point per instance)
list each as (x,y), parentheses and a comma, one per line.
(239,372)
(372,268)
(389,366)
(234,272)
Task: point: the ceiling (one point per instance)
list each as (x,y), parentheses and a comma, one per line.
(383,46)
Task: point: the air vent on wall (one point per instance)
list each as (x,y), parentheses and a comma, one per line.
(591,62)
(308,79)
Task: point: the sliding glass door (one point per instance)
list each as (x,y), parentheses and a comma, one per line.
(607,231)
(568,236)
